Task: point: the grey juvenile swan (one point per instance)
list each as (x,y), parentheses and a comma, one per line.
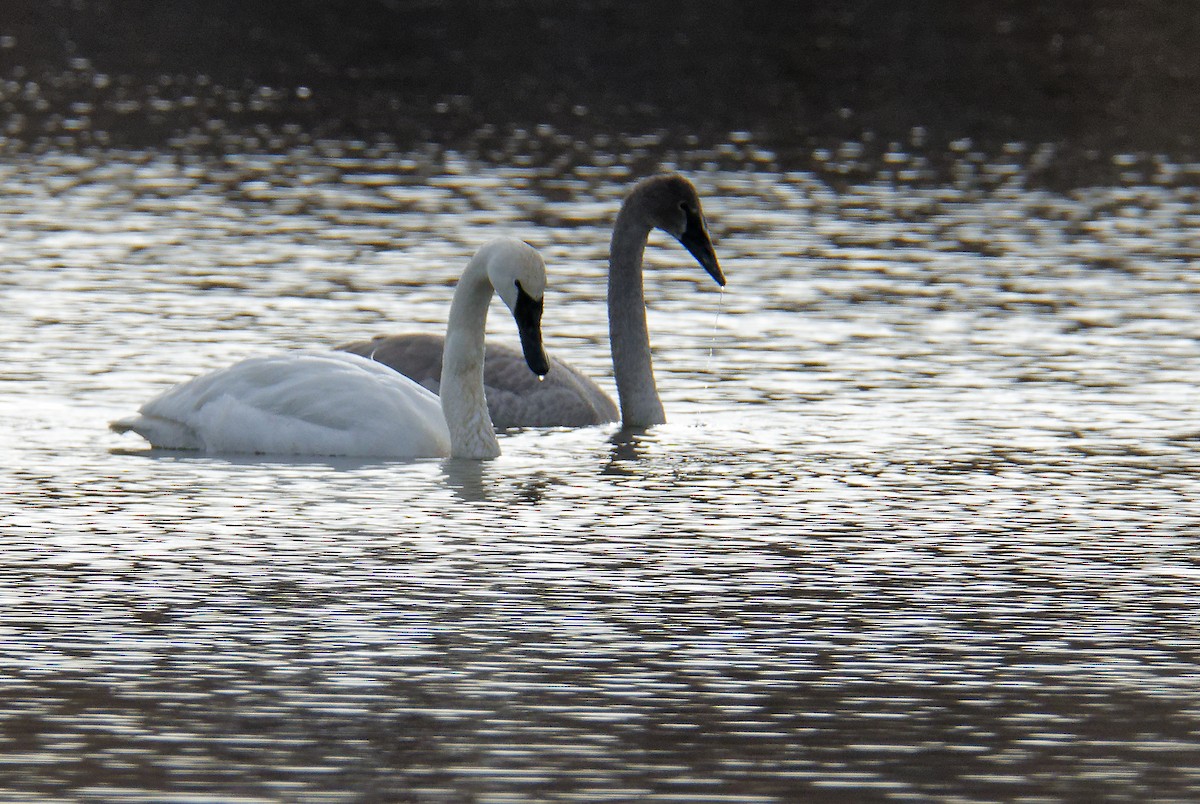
(567,398)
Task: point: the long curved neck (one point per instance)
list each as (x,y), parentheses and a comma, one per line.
(628,336)
(463,401)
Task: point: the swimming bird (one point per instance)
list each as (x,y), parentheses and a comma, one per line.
(568,398)
(335,403)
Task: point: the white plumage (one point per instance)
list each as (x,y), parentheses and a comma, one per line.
(303,403)
(335,403)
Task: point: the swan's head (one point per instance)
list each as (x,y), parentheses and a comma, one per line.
(672,204)
(518,274)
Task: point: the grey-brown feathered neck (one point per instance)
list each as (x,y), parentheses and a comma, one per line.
(633,368)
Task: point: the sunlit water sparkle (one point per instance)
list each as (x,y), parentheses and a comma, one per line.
(922,525)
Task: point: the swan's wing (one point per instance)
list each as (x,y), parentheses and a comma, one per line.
(298,404)
(415,355)
(516,398)
(563,398)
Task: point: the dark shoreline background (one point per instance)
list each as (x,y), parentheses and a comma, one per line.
(1089,79)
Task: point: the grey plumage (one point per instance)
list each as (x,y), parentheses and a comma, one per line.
(516,398)
(567,398)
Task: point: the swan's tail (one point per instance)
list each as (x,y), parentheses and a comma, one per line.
(161,433)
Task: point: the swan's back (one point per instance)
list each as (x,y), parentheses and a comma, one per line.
(304,403)
(416,355)
(515,396)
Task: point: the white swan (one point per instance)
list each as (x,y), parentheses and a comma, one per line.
(569,398)
(341,404)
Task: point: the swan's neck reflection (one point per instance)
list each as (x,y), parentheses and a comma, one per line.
(628,444)
(469,480)
(483,481)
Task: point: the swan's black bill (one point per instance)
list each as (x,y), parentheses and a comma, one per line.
(528,314)
(695,240)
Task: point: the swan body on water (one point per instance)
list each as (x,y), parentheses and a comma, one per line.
(309,403)
(515,397)
(567,397)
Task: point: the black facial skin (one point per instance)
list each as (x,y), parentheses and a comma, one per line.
(695,240)
(528,315)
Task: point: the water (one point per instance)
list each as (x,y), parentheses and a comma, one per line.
(922,525)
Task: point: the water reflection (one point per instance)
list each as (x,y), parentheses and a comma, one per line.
(468,479)
(626,448)
(473,481)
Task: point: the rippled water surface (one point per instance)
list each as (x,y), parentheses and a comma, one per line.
(922,526)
